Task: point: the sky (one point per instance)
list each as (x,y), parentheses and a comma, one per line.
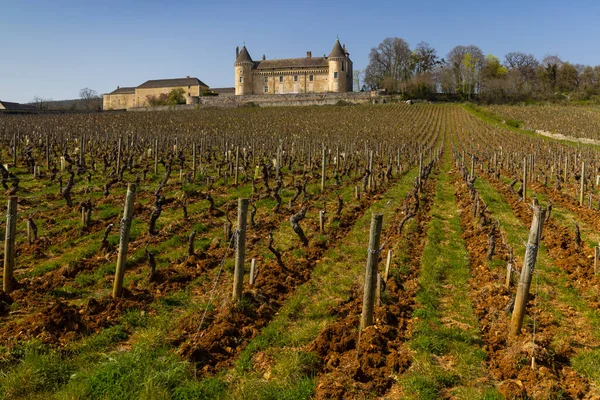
(54,48)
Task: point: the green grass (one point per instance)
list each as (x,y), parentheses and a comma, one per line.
(305,314)
(445,325)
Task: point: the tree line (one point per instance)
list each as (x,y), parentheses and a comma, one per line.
(467,74)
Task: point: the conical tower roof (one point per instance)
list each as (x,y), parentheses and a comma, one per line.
(337,50)
(244,56)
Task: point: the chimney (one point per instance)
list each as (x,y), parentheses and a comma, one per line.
(308,54)
(118,87)
(188,77)
(264,57)
(237,51)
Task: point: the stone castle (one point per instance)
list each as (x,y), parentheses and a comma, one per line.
(331,74)
(327,74)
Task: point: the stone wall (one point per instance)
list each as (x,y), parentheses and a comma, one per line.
(118,101)
(290,82)
(308,99)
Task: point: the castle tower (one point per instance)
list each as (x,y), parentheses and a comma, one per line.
(340,69)
(243,72)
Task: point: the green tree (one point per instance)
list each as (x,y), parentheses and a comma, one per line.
(177,96)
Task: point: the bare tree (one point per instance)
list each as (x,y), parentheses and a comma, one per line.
(389,65)
(88,96)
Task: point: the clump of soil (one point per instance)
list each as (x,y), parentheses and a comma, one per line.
(5,302)
(510,361)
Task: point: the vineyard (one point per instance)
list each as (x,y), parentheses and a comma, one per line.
(572,121)
(381,251)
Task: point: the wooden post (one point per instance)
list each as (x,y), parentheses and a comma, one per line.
(240,249)
(387,265)
(582,187)
(124,240)
(237,165)
(82,151)
(420,168)
(322,221)
(47,152)
(596,260)
(194,160)
(9,244)
(14,150)
(508,275)
(371,271)
(156,156)
(472,166)
(565,170)
(119,156)
(371,170)
(252,266)
(535,233)
(323,165)
(524,179)
(379,285)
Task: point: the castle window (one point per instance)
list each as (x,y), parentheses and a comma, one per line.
(241,79)
(295,78)
(343,64)
(280,78)
(266,79)
(335,75)
(266,89)
(311,78)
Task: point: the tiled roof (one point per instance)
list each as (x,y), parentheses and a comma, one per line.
(160,83)
(307,62)
(17,106)
(123,90)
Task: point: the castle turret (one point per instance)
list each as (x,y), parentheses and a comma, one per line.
(243,72)
(340,69)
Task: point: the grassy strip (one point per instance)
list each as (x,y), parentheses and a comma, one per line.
(291,368)
(448,359)
(552,281)
(514,126)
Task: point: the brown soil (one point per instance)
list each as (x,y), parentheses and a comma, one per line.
(510,361)
(352,365)
(227,330)
(59,322)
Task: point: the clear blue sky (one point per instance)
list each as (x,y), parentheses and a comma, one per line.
(53,48)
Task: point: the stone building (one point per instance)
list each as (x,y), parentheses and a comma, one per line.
(129,97)
(327,74)
(17,107)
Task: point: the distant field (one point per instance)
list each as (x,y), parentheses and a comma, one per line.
(575,121)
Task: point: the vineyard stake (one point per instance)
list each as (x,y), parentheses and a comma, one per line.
(596,260)
(119,155)
(47,152)
(9,244)
(194,160)
(156,156)
(237,165)
(323,165)
(582,188)
(371,271)
(387,265)
(252,267)
(15,150)
(240,248)
(124,240)
(379,285)
(537,224)
(508,275)
(524,179)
